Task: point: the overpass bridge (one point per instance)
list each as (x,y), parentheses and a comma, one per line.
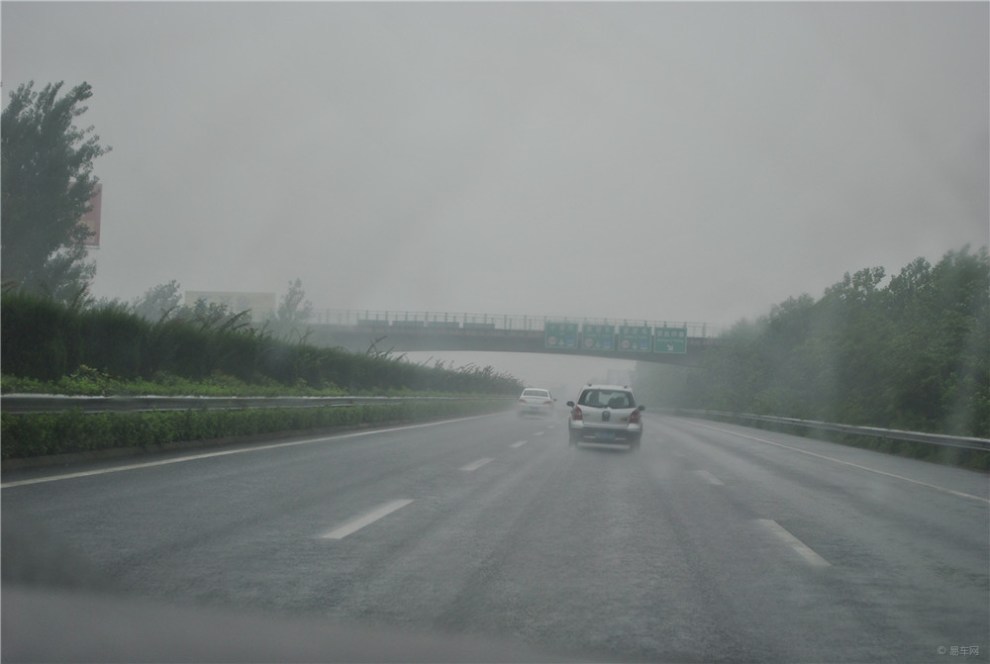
(669,342)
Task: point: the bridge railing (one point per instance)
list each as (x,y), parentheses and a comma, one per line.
(467,320)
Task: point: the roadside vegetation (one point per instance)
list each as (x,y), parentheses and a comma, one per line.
(911,353)
(77,432)
(52,348)
(57,339)
(48,346)
(48,182)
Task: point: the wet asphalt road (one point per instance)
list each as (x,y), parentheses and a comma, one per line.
(712,543)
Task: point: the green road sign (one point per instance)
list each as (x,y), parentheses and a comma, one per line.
(598,337)
(670,340)
(635,338)
(560,336)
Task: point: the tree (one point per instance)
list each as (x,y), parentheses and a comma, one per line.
(159,302)
(912,355)
(215,316)
(47,183)
(294,310)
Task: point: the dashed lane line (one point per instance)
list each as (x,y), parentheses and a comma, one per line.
(794,543)
(471,467)
(708,477)
(518,444)
(365,520)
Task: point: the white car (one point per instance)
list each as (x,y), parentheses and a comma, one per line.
(605,414)
(535,401)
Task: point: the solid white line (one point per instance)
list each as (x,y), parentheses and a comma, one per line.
(711,479)
(209,455)
(476,465)
(518,444)
(797,545)
(360,522)
(848,463)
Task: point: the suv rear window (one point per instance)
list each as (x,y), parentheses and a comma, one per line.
(595,398)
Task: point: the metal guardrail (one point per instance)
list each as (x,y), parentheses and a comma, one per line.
(47,403)
(963,442)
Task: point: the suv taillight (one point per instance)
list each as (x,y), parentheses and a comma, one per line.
(634,417)
(576,414)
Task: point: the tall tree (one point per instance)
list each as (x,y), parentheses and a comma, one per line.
(47,183)
(159,302)
(294,310)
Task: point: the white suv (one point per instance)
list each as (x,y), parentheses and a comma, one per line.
(605,414)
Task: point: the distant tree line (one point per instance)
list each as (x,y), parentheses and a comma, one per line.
(164,302)
(911,354)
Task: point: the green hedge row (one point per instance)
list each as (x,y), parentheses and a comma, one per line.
(34,435)
(46,341)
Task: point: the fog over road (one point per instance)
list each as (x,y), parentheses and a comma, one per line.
(712,543)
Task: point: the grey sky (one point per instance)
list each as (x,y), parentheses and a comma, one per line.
(687,162)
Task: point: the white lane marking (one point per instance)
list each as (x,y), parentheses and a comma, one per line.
(849,463)
(476,465)
(367,519)
(797,545)
(538,433)
(708,477)
(518,444)
(209,455)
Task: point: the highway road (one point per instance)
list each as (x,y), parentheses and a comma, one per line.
(712,543)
